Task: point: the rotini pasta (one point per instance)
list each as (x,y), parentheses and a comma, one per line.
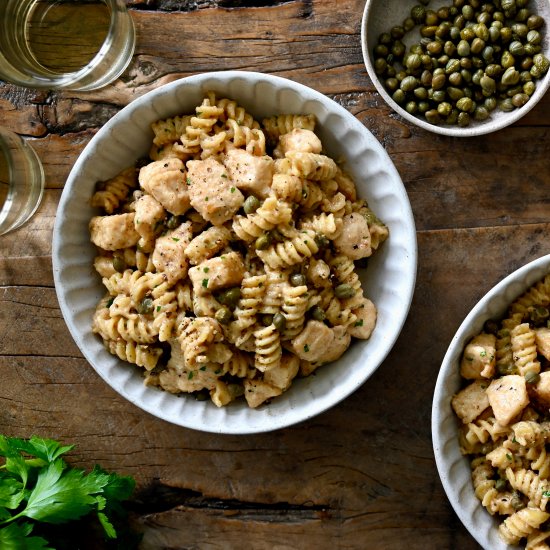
(225,258)
(504,412)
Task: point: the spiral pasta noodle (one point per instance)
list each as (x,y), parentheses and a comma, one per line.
(223,256)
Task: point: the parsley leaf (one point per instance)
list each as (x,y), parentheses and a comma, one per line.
(16,537)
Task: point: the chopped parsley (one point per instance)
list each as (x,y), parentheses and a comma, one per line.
(190,375)
(306,348)
(109,302)
(205,283)
(205,199)
(203,368)
(206,269)
(359,323)
(224,176)
(482,353)
(159,308)
(189,182)
(175,239)
(232,189)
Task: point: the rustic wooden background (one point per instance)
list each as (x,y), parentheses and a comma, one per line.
(362,475)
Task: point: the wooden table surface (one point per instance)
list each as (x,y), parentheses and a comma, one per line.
(362,475)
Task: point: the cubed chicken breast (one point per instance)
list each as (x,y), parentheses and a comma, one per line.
(222,271)
(470,402)
(366,320)
(114,232)
(169,253)
(478,360)
(257,392)
(166,181)
(212,192)
(207,244)
(354,240)
(150,215)
(282,375)
(250,173)
(313,342)
(507,397)
(541,392)
(298,139)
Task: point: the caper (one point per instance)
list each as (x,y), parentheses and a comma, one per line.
(439,96)
(516,501)
(529,88)
(438,81)
(297,279)
(317,313)
(398,49)
(490,103)
(252,203)
(434,47)
(380,66)
(418,14)
(522,15)
(510,77)
(468,12)
(428,31)
(506,105)
(500,484)
(463,119)
(519,100)
(409,83)
(526,63)
(267,320)
(279,320)
(493,70)
(423,106)
(413,62)
(452,118)
(535,22)
(411,107)
(223,315)
(452,66)
(421,93)
(385,38)
(431,17)
(444,109)
(173,222)
(516,48)
(541,62)
(455,79)
(397,32)
(532,377)
(344,291)
(263,241)
(464,104)
(399,96)
(455,93)
(507,60)
(409,24)
(229,297)
(119,264)
(488,85)
(481,113)
(538,314)
(463,48)
(520,30)
(392,84)
(321,241)
(494,33)
(145,306)
(505,34)
(432,116)
(477,45)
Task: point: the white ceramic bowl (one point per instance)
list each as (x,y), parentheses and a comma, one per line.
(127,136)
(381,15)
(454,469)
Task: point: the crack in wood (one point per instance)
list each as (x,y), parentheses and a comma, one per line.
(158,497)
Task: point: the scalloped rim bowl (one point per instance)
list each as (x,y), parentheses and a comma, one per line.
(453,468)
(380,16)
(391,273)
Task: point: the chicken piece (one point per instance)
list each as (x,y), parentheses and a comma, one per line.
(540,393)
(354,241)
(212,192)
(207,244)
(205,305)
(341,340)
(507,397)
(282,375)
(298,140)
(257,392)
(169,253)
(478,360)
(317,342)
(318,273)
(149,218)
(248,172)
(542,340)
(113,232)
(224,393)
(366,320)
(166,181)
(220,272)
(470,402)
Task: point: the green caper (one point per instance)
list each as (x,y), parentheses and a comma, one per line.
(438,81)
(399,96)
(452,118)
(535,22)
(488,85)
(223,315)
(421,93)
(431,17)
(532,377)
(380,66)
(392,84)
(297,279)
(510,77)
(529,88)
(263,241)
(520,29)
(413,62)
(173,222)
(516,48)
(423,106)
(344,291)
(541,62)
(267,320)
(252,203)
(538,314)
(434,47)
(463,48)
(432,116)
(411,107)
(145,306)
(418,14)
(464,104)
(519,100)
(481,113)
(317,313)
(500,484)
(463,119)
(444,109)
(507,60)
(477,45)
(506,105)
(119,264)
(229,297)
(409,83)
(490,103)
(409,24)
(279,320)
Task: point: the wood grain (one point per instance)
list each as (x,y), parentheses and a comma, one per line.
(361,475)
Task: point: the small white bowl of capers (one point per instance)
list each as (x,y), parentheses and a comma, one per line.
(458,67)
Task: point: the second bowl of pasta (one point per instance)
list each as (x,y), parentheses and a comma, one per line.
(226,221)
(490,413)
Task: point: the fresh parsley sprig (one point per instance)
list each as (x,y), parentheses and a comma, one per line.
(37,485)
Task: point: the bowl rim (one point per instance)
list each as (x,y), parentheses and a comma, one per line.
(487,127)
(524,278)
(288,418)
